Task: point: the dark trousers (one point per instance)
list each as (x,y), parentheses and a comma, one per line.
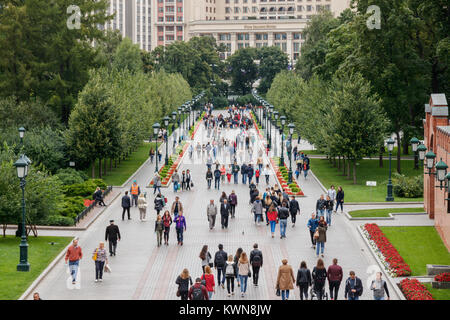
(318,287)
(233,209)
(99,269)
(184,295)
(128,212)
(112,246)
(334,287)
(230,283)
(188,185)
(293,217)
(179,234)
(134,199)
(339,203)
(209,183)
(100,201)
(255,274)
(224,220)
(166,234)
(217,183)
(313,241)
(303,290)
(220,274)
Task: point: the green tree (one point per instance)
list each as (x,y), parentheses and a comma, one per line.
(127,56)
(272,61)
(243,70)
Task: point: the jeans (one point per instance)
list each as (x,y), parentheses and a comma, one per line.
(328,218)
(260,166)
(134,199)
(293,217)
(155,187)
(243,281)
(235,175)
(244,178)
(220,271)
(217,183)
(320,245)
(339,203)
(273,224)
(255,274)
(267,179)
(179,234)
(209,183)
(334,289)
(250,177)
(283,225)
(303,290)
(305,172)
(320,213)
(353,298)
(378,298)
(210,293)
(233,209)
(112,246)
(73,267)
(258,217)
(284,294)
(230,283)
(175,186)
(99,269)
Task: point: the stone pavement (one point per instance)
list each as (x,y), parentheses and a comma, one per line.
(141,270)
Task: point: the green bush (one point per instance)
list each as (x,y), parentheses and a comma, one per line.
(85,189)
(295,189)
(72,207)
(407,187)
(293,185)
(60,221)
(71,176)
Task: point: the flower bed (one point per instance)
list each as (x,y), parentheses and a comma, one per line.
(252,115)
(196,126)
(291,189)
(414,290)
(394,263)
(442,277)
(167,171)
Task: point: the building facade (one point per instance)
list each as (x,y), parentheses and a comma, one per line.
(437,138)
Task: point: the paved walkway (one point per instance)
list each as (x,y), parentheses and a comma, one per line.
(141,270)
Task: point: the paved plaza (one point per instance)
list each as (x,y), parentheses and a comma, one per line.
(142,271)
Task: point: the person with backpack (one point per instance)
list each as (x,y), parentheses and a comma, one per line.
(319,276)
(305,168)
(198,291)
(183,281)
(303,280)
(159,203)
(209,177)
(379,286)
(220,259)
(217,175)
(353,287)
(208,277)
(256,261)
(230,275)
(294,208)
(267,204)
(334,276)
(205,256)
(250,172)
(232,200)
(285,279)
(312,226)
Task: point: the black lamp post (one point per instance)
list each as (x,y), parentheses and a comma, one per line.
(283,121)
(156,128)
(179,124)
(166,124)
(291,127)
(270,127)
(22,171)
(414,144)
(275,114)
(390,197)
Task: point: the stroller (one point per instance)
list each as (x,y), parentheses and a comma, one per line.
(314,294)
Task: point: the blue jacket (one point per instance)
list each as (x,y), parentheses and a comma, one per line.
(313,224)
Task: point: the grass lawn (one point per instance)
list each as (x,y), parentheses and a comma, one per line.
(438,294)
(367,170)
(126,168)
(418,246)
(40,254)
(381,212)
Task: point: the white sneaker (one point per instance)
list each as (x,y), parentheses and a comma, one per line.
(229,295)
(101,280)
(96,280)
(242,294)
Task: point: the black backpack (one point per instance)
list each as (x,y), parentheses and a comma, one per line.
(257,260)
(220,261)
(197,293)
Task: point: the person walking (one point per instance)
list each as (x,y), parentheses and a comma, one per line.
(180,226)
(312,226)
(209,177)
(151,153)
(320,206)
(334,275)
(224,213)
(159,228)
(294,209)
(177,207)
(257,209)
(267,204)
(100,257)
(208,277)
(142,205)
(112,234)
(353,287)
(329,204)
(220,259)
(156,183)
(283,215)
(319,276)
(211,213)
(305,168)
(266,174)
(236,258)
(230,275)
(159,203)
(250,172)
(232,200)
(135,191)
(217,175)
(126,204)
(303,280)
(339,199)
(183,281)
(223,197)
(223,171)
(379,287)
(229,173)
(189,183)
(73,255)
(256,261)
(167,221)
(198,291)
(244,173)
(244,272)
(257,174)
(236,170)
(332,193)
(321,236)
(176,181)
(285,279)
(272,216)
(205,256)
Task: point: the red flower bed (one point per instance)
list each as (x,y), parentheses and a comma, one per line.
(442,277)
(414,290)
(391,255)
(284,184)
(171,169)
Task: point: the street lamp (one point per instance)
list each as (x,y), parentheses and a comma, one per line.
(275,114)
(291,127)
(421,149)
(414,144)
(156,127)
(270,127)
(22,171)
(179,124)
(430,160)
(390,144)
(283,121)
(166,124)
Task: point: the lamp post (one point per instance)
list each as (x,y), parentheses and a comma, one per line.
(166,124)
(283,121)
(22,171)
(421,149)
(275,114)
(270,127)
(179,124)
(291,127)
(156,127)
(414,144)
(390,197)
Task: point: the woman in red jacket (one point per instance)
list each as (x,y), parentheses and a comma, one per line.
(209,281)
(272,216)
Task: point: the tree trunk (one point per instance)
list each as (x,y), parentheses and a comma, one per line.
(115,163)
(343,166)
(104,166)
(381,157)
(110,164)
(405,145)
(354,171)
(398,153)
(93,169)
(348,169)
(339,163)
(100,168)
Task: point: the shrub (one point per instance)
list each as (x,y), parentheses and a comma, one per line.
(407,187)
(71,176)
(60,221)
(295,189)
(72,206)
(293,185)
(85,189)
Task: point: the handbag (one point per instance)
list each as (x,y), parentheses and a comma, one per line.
(211,264)
(192,184)
(178,293)
(278,292)
(249,274)
(316,234)
(94,257)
